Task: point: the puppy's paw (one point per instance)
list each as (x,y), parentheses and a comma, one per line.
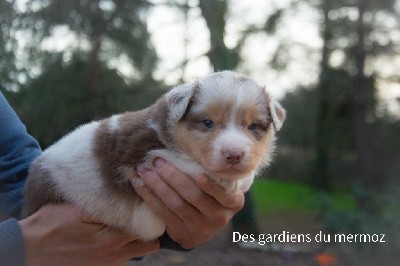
(130,173)
(145,223)
(136,182)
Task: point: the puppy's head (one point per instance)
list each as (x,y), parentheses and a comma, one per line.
(226,122)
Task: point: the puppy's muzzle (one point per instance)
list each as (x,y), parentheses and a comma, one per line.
(233,156)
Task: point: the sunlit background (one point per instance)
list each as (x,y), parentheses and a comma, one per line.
(334,65)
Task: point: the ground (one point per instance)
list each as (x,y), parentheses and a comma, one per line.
(222,251)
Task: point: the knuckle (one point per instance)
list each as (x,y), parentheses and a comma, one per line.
(236,202)
(221,220)
(177,206)
(44,211)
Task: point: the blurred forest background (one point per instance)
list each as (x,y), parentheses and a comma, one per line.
(333,64)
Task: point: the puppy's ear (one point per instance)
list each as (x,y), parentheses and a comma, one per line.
(278,114)
(168,110)
(178,101)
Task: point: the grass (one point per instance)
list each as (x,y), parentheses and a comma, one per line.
(272,196)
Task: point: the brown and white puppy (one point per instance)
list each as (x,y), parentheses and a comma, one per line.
(223,126)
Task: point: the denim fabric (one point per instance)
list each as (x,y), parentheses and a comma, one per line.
(11,244)
(17,151)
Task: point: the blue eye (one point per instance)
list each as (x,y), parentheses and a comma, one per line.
(208,123)
(253,126)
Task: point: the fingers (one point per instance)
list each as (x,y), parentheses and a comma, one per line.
(186,187)
(193,209)
(157,206)
(100,231)
(138,248)
(154,202)
(62,234)
(113,238)
(234,201)
(197,192)
(124,246)
(166,195)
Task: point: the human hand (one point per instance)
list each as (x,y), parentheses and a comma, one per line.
(194,210)
(63,235)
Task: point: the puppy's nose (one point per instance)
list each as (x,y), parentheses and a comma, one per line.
(233,157)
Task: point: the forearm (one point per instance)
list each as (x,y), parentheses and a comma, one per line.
(11,244)
(18,150)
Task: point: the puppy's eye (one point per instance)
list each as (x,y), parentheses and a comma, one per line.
(208,123)
(253,126)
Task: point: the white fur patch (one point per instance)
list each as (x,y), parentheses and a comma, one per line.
(113,123)
(74,152)
(187,165)
(242,184)
(228,85)
(77,175)
(145,223)
(231,139)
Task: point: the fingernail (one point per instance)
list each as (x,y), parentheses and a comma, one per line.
(159,163)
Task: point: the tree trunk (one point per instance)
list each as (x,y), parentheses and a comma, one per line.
(361,101)
(323,139)
(222,58)
(92,79)
(91,82)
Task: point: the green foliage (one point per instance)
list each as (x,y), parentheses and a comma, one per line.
(384,219)
(57,101)
(277,196)
(301,106)
(82,82)
(117,27)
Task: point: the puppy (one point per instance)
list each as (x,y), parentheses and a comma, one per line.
(223,125)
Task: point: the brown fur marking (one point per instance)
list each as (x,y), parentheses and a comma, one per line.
(40,189)
(126,146)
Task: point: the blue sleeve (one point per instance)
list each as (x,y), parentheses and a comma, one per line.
(17,150)
(11,244)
